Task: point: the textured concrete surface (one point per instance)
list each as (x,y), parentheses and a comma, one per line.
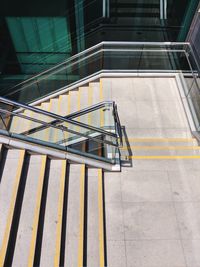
(151,207)
(152,217)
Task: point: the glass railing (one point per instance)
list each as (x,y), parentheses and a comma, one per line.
(192,88)
(105,57)
(99,140)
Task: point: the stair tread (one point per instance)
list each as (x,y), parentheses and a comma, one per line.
(64,109)
(93,219)
(73,215)
(83,97)
(25,229)
(51,214)
(73,101)
(6,187)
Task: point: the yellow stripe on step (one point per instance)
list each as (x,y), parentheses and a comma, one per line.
(79,100)
(101,90)
(164,157)
(60,215)
(101,99)
(81,217)
(161,148)
(37,212)
(101,218)
(79,108)
(68,103)
(47,130)
(11,209)
(90,96)
(57,131)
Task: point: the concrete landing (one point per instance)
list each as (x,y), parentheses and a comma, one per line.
(152,207)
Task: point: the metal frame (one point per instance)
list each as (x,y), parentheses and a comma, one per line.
(60,127)
(96,47)
(60,118)
(89,53)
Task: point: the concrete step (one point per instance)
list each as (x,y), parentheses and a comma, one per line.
(83,94)
(95,219)
(105,89)
(19,125)
(83,103)
(72,107)
(49,210)
(95,88)
(94,98)
(63,109)
(52,132)
(9,185)
(73,101)
(43,135)
(75,216)
(51,237)
(29,216)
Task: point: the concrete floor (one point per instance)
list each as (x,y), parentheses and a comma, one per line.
(152,208)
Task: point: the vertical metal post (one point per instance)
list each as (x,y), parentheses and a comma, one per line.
(108,9)
(4,123)
(104,9)
(161,10)
(165,9)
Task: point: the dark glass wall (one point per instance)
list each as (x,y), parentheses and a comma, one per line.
(194,35)
(35,35)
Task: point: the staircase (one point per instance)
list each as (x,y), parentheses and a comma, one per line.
(59,212)
(52,209)
(73,124)
(49,208)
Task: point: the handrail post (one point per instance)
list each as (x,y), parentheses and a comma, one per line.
(4,123)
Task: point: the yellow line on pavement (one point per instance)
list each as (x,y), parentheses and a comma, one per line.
(160,139)
(60,214)
(161,148)
(37,212)
(11,209)
(81,217)
(164,157)
(101,218)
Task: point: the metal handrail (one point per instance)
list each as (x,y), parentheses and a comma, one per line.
(83,112)
(95,47)
(118,124)
(60,127)
(37,80)
(61,119)
(55,116)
